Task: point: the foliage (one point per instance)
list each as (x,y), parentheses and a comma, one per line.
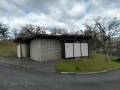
(117,60)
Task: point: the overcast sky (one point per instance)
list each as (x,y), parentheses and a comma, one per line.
(69,14)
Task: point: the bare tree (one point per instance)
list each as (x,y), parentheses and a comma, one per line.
(14,30)
(59,31)
(74,32)
(115,47)
(94,42)
(4,31)
(29,29)
(40,30)
(105,31)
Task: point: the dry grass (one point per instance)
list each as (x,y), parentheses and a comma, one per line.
(7,48)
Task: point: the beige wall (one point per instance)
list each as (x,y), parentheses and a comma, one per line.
(34,50)
(45,49)
(50,49)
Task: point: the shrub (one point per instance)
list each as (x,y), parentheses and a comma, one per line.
(117,60)
(77,68)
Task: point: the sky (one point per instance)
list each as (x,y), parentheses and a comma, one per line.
(68,14)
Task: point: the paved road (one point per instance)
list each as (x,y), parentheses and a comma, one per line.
(14,78)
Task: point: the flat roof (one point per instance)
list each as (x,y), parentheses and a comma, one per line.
(63,36)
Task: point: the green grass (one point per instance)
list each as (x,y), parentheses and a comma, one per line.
(93,64)
(7,48)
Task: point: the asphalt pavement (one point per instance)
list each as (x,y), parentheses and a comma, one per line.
(45,66)
(16,78)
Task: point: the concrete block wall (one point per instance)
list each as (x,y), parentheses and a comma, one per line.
(45,49)
(35,50)
(50,49)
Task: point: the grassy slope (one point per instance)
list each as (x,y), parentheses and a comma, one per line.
(95,63)
(7,48)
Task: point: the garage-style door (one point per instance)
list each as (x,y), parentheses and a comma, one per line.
(76,50)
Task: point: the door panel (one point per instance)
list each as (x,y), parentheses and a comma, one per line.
(68,50)
(84,47)
(77,51)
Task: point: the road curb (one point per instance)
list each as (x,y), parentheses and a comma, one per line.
(15,65)
(104,71)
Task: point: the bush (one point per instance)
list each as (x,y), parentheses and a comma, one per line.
(117,60)
(77,68)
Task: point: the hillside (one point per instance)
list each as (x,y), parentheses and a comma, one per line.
(7,48)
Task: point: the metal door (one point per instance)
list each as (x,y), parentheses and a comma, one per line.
(68,50)
(77,51)
(84,47)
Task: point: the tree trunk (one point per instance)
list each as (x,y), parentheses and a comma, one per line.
(107,56)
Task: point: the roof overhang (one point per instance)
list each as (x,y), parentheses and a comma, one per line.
(64,36)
